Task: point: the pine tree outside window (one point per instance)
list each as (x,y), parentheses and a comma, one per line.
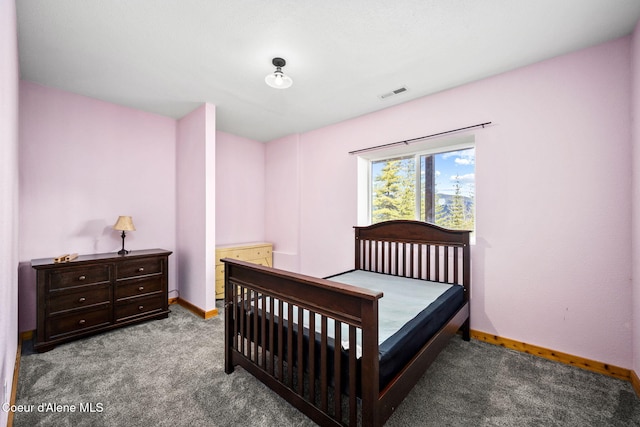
(436,187)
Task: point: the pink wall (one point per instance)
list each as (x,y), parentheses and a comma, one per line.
(551,266)
(240,191)
(195,227)
(282,212)
(8,199)
(210,213)
(635,107)
(83,162)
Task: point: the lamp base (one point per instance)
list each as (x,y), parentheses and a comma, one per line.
(123,251)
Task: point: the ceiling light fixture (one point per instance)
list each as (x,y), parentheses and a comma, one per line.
(278,79)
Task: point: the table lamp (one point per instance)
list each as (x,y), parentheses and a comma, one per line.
(124,223)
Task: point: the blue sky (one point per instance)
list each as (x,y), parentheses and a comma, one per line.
(459,163)
(448,165)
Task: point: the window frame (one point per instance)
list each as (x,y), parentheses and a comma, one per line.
(430,147)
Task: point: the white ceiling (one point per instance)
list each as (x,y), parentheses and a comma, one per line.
(169,56)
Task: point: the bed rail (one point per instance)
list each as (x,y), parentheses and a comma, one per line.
(263,310)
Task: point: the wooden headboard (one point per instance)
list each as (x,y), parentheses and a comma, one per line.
(414,249)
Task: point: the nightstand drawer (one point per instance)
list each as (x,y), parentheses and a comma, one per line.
(138,267)
(78,322)
(138,306)
(80,276)
(134,288)
(79,298)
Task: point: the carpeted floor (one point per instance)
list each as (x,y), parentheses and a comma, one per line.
(170,373)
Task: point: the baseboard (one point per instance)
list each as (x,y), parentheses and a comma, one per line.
(569,359)
(16,371)
(197,310)
(635,382)
(27,335)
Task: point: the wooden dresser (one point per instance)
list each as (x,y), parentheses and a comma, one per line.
(257,253)
(95,293)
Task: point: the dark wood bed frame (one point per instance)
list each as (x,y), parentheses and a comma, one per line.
(331,396)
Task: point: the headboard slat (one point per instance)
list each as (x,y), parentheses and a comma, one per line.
(413,249)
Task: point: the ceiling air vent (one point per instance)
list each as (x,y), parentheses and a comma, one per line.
(393,93)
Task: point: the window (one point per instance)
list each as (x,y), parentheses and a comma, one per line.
(436,187)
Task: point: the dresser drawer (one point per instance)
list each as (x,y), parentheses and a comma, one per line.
(97,293)
(138,306)
(79,276)
(132,288)
(236,253)
(266,262)
(259,252)
(138,267)
(220,289)
(219,270)
(78,322)
(79,298)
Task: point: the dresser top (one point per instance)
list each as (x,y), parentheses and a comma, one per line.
(48,262)
(243,245)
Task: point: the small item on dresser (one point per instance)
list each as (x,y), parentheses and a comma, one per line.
(61,258)
(65,258)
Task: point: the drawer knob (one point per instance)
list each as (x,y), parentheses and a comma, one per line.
(141,288)
(82,299)
(82,277)
(141,269)
(82,322)
(141,307)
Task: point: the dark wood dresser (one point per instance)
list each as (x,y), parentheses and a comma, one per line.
(95,293)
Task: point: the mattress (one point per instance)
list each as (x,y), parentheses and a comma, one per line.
(409,314)
(404,298)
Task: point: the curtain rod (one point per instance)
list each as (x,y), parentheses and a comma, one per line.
(409,141)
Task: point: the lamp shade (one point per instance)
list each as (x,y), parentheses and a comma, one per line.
(124,223)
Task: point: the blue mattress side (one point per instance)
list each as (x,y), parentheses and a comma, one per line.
(399,348)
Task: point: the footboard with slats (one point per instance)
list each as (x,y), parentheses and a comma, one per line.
(264,311)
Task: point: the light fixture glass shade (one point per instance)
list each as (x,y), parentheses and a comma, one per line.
(124,223)
(278,80)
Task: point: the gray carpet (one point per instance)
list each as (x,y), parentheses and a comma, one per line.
(170,373)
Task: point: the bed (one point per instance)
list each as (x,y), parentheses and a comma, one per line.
(334,347)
